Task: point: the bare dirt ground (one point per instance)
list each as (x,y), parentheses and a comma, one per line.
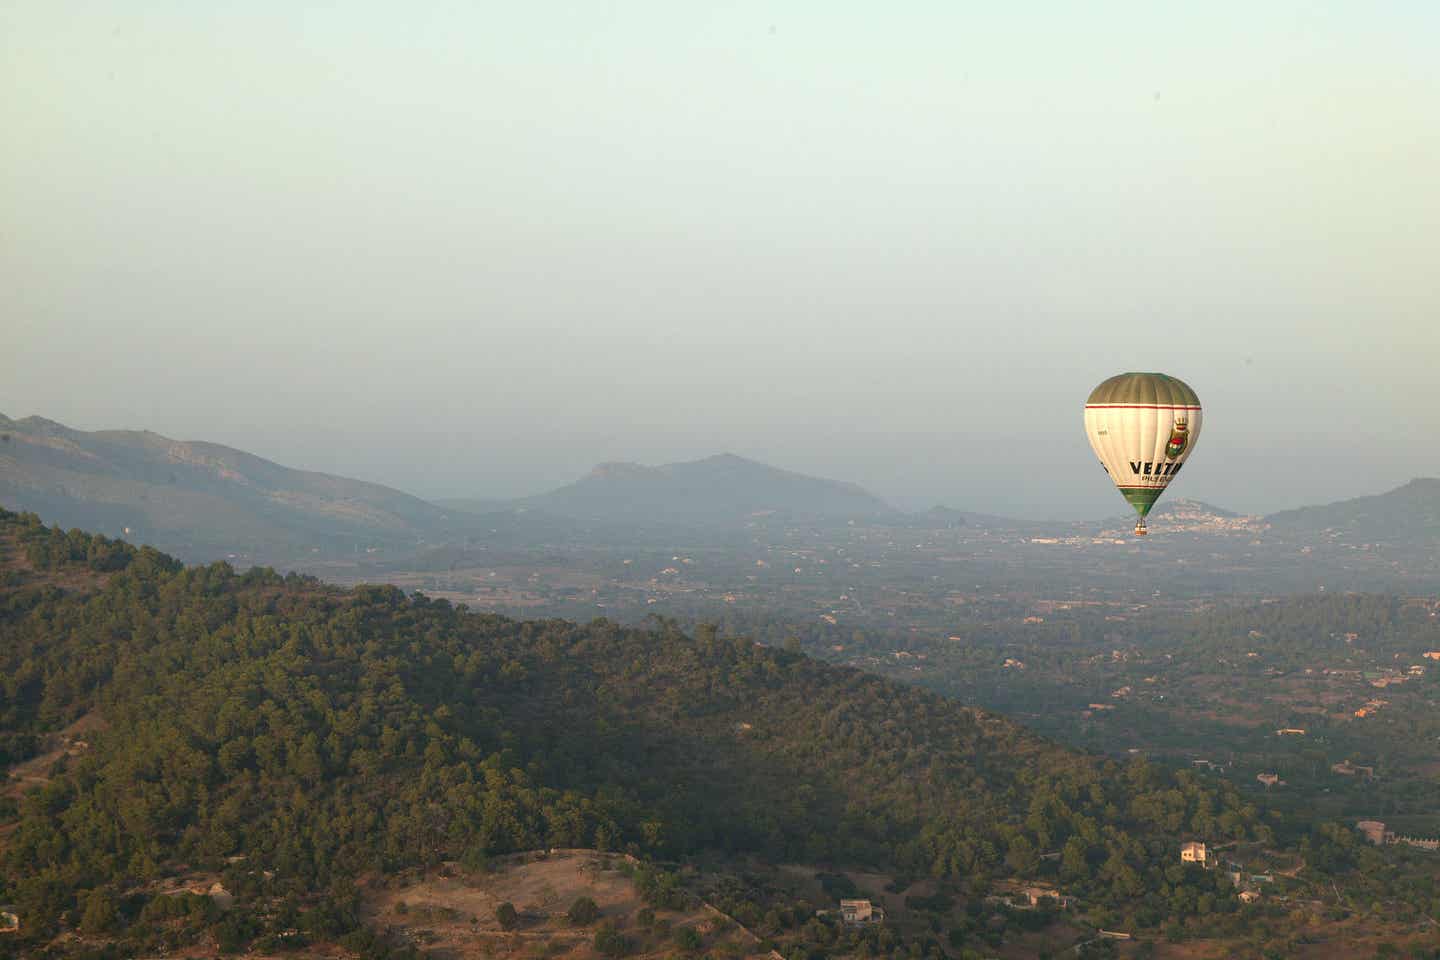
(1336,942)
(35,772)
(12,557)
(452,913)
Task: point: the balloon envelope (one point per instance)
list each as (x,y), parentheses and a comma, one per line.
(1143,427)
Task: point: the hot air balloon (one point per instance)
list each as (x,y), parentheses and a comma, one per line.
(1143,427)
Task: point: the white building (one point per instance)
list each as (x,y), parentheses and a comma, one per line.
(861,911)
(1194,852)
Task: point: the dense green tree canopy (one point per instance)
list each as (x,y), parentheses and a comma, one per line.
(323,733)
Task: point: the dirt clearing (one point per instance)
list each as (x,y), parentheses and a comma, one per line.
(453,912)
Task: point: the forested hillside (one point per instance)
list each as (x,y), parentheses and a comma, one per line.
(322,734)
(202,500)
(1408,516)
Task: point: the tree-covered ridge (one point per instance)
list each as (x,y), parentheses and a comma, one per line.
(201,499)
(325,733)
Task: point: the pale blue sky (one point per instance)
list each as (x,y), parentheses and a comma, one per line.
(474,248)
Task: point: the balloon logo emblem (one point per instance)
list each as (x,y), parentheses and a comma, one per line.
(1179,438)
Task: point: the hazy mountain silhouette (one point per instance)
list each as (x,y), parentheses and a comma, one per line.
(203,500)
(719,489)
(196,498)
(1406,516)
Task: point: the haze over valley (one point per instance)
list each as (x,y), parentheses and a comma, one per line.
(753,524)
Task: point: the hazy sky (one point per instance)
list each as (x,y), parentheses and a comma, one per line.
(473,248)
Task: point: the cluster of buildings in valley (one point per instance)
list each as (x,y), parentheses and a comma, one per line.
(1020,896)
(1180,516)
(1247,885)
(1080,541)
(1375,832)
(1014,894)
(1372,706)
(1379,679)
(1394,677)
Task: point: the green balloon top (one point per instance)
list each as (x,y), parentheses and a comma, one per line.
(1144,388)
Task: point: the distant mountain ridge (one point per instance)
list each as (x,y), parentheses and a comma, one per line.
(205,500)
(1409,515)
(196,498)
(718,489)
(201,500)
